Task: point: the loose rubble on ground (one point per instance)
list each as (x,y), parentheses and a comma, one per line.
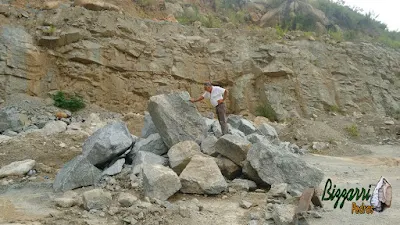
(124,179)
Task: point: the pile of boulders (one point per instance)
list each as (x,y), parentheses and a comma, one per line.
(180,150)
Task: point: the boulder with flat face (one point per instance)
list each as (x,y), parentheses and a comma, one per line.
(276,165)
(202,176)
(107,143)
(233,147)
(176,118)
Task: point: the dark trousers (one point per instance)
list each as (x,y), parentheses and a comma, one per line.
(221,114)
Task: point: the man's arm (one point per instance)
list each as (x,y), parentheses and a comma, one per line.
(224,97)
(198,99)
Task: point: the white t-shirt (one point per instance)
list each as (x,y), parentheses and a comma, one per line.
(216,94)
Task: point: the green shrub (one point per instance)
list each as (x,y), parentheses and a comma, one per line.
(353,130)
(335,108)
(266,111)
(72,103)
(280,31)
(336,35)
(51,30)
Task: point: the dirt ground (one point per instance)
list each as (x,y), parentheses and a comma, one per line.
(30,201)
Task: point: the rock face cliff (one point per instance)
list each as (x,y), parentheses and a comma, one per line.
(118,62)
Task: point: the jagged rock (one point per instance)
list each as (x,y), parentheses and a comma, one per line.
(234,121)
(126,199)
(176,118)
(251,173)
(65,202)
(10,133)
(202,176)
(78,172)
(238,122)
(17,168)
(283,214)
(245,204)
(320,146)
(278,190)
(208,145)
(274,165)
(10,120)
(96,5)
(180,155)
(254,138)
(115,168)
(233,148)
(54,127)
(243,185)
(160,182)
(216,129)
(141,158)
(153,143)
(228,168)
(268,131)
(235,132)
(96,199)
(209,123)
(107,143)
(148,128)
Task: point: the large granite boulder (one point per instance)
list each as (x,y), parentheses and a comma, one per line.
(275,165)
(107,143)
(176,118)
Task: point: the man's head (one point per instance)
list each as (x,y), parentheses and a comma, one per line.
(208,86)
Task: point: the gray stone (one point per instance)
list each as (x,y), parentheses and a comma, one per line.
(254,138)
(17,168)
(115,168)
(241,124)
(274,165)
(107,143)
(245,204)
(54,127)
(65,202)
(228,168)
(283,214)
(278,190)
(320,146)
(149,127)
(216,129)
(153,143)
(234,121)
(141,158)
(202,176)
(10,120)
(78,172)
(96,199)
(233,148)
(268,131)
(126,199)
(208,145)
(209,123)
(10,133)
(176,118)
(243,185)
(160,182)
(180,155)
(235,132)
(251,173)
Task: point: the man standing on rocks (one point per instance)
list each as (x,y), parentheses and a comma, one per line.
(217,96)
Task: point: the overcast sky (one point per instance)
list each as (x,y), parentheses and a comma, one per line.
(388,10)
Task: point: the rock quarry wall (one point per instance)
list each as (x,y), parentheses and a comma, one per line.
(118,62)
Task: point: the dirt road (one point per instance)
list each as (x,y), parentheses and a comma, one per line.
(30,202)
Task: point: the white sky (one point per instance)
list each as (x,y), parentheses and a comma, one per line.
(388,10)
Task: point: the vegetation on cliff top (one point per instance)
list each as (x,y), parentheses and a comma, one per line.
(341,22)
